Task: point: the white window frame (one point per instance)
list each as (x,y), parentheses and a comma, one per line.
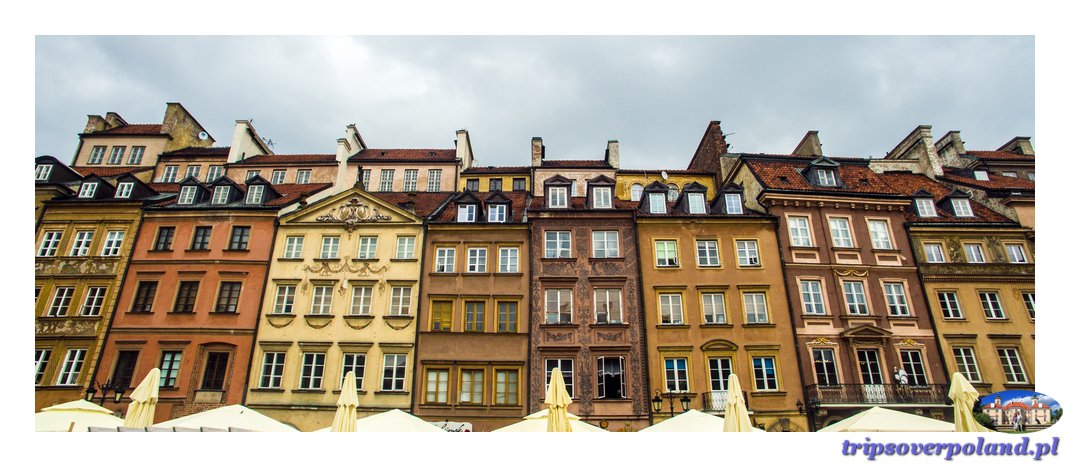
(746,251)
(950,308)
(113,243)
(41,358)
(285,295)
(394,362)
(124,190)
(561,296)
(755,308)
(603,197)
(386,180)
(72,367)
(567,376)
(405,247)
(991,304)
(600,372)
(666,254)
(841,233)
(975,252)
(926,207)
(1013,369)
(602,306)
(881,236)
(826,177)
(254,194)
(251,173)
(361,304)
(855,298)
(61,301)
(673,381)
(400,300)
(813,298)
(895,294)
(304,176)
(214,172)
(97,155)
(671,308)
(136,154)
(733,203)
(713,308)
(961,207)
(193,171)
(477,260)
(657,203)
(508,259)
(1016,253)
(466,213)
(696,203)
(980,175)
(117,153)
(271,370)
(187,194)
(1029,298)
(496,213)
(445,259)
(42,172)
(605,244)
(637,192)
(322,300)
(409,178)
(312,365)
(329,247)
(558,197)
(434,180)
(87,190)
(50,243)
(170,174)
(295,245)
(934,252)
(799,229)
(368,247)
(562,244)
(94,301)
(278,176)
(707,253)
(83,241)
(351,361)
(762,381)
(220,194)
(966,361)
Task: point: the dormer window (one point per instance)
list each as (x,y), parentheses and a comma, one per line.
(962,208)
(466,213)
(87,190)
(674,192)
(124,190)
(733,203)
(221,194)
(187,194)
(696,203)
(603,197)
(637,192)
(657,203)
(575,189)
(980,175)
(496,213)
(826,177)
(255,194)
(925,206)
(558,196)
(42,172)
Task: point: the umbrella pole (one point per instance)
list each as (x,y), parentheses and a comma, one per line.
(70,428)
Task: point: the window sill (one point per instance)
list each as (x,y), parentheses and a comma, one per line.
(997,320)
(236,250)
(400,393)
(902,317)
(750,266)
(232,313)
(509,274)
(673,326)
(886,250)
(672,266)
(847,248)
(475,274)
(560,325)
(610,325)
(398,317)
(195,250)
(308,391)
(816,315)
(759,325)
(132,312)
(606,258)
(960,320)
(761,393)
(558,260)
(710,266)
(442,274)
(717,325)
(364,260)
(613,400)
(804,247)
(403,260)
(359,391)
(295,260)
(327,260)
(177,312)
(160,251)
(86,317)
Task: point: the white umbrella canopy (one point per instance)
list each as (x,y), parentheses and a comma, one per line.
(692,421)
(878,419)
(537,423)
(142,408)
(227,417)
(393,421)
(82,413)
(736,416)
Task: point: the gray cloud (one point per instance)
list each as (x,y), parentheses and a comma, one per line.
(654,94)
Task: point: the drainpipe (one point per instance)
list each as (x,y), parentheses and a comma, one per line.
(416,332)
(260,311)
(643,351)
(791,314)
(928,308)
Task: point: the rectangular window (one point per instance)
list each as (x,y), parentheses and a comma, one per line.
(61,300)
(934,252)
(914,367)
(472,184)
(665,253)
(117,153)
(477,260)
(146,293)
(565,364)
(961,206)
(271,370)
(312,370)
(841,232)
(124,190)
(606,244)
(187,194)
(870,366)
(754,305)
(72,367)
(696,203)
(713,311)
(471,387)
(826,177)
(603,197)
(607,306)
(125,364)
(201,236)
(509,259)
(925,206)
(854,293)
(991,305)
(400,297)
(368,248)
(520,184)
(434,180)
(81,244)
(495,184)
(136,154)
(221,194)
(304,176)
(558,306)
(1030,303)
(441,315)
(466,213)
(558,244)
(394,372)
(322,299)
(611,379)
(97,156)
(42,171)
(895,294)
(87,190)
(229,292)
(967,363)
(410,180)
(1012,365)
(507,387)
(825,368)
(250,174)
(676,375)
(294,247)
(558,197)
(277,176)
(362,301)
(812,297)
(215,371)
(50,243)
(733,203)
(507,316)
(975,252)
(720,369)
(94,301)
(708,254)
(239,238)
(879,235)
(657,203)
(255,194)
(329,248)
(444,259)
(672,311)
(386,180)
(187,296)
(799,228)
(366,179)
(193,171)
(113,242)
(165,236)
(284,299)
(496,213)
(1016,254)
(41,357)
(949,305)
(353,362)
(474,316)
(437,386)
(747,253)
(214,172)
(764,374)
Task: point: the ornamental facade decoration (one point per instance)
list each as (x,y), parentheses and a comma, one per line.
(851,272)
(77,266)
(352,214)
(908,343)
(819,341)
(360,270)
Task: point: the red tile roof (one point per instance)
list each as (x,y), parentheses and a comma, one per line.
(909,183)
(287,159)
(195,151)
(495,170)
(288,193)
(405,155)
(109,171)
(423,203)
(784,175)
(519,201)
(1000,156)
(578,164)
(135,129)
(165,187)
(994,182)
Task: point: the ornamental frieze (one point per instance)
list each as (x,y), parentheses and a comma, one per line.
(352,214)
(851,272)
(345,266)
(66,327)
(908,343)
(609,336)
(76,266)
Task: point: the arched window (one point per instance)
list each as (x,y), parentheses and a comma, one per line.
(674,192)
(637,191)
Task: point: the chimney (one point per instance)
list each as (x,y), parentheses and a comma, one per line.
(356,142)
(464,149)
(113,120)
(538,152)
(809,146)
(1020,145)
(95,123)
(613,153)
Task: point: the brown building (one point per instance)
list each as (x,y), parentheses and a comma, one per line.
(206,164)
(191,298)
(472,340)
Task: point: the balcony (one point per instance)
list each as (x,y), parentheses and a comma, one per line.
(715,401)
(877,394)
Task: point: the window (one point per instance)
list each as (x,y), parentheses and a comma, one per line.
(466,213)
(329,248)
(294,246)
(410,180)
(657,203)
(165,236)
(170,174)
(575,189)
(713,311)
(187,194)
(991,305)
(558,306)
(146,293)
(509,259)
(558,197)
(1031,175)
(201,236)
(434,180)
(368,247)
(507,387)
(825,367)
(672,311)
(1012,365)
(1016,253)
(826,177)
(696,203)
(799,228)
(605,244)
(50,243)
(312,370)
(239,238)
(441,315)
(764,374)
(400,298)
(72,367)
(733,203)
(949,305)
(94,301)
(214,172)
(125,363)
(406,248)
(1030,304)
(250,174)
(558,244)
(870,366)
(611,379)
(895,294)
(322,299)
(366,178)
(117,153)
(934,252)
(925,206)
(676,375)
(284,299)
(42,171)
(477,260)
(878,234)
(674,192)
(980,175)
(193,171)
(271,370)
(967,363)
(229,292)
(88,190)
(393,372)
(124,190)
(304,176)
(607,306)
(255,194)
(708,254)
(438,384)
(444,258)
(221,194)
(961,206)
(353,362)
(913,366)
(812,298)
(136,153)
(187,296)
(61,300)
(507,316)
(474,314)
(277,176)
(975,252)
(471,387)
(747,253)
(637,192)
(82,241)
(520,184)
(856,298)
(841,232)
(215,371)
(496,213)
(362,301)
(565,364)
(386,180)
(754,305)
(169,364)
(472,184)
(97,156)
(665,253)
(603,197)
(41,357)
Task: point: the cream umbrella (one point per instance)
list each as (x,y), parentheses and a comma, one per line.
(227,418)
(557,401)
(142,407)
(963,395)
(879,419)
(392,421)
(736,417)
(692,421)
(76,415)
(345,417)
(537,423)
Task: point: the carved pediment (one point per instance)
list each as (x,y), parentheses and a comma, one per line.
(353,213)
(866,331)
(719,344)
(350,209)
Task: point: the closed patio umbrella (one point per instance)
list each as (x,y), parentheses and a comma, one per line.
(143,401)
(736,417)
(963,395)
(345,417)
(557,402)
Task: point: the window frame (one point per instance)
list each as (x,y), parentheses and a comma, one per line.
(673,383)
(271,373)
(603,385)
(505,261)
(797,240)
(394,367)
(603,197)
(661,206)
(715,256)
(449,260)
(330,244)
(559,293)
(405,247)
(846,228)
(402,301)
(886,243)
(808,296)
(733,203)
(674,312)
(860,307)
(713,303)
(666,257)
(476,263)
(745,250)
(557,197)
(561,237)
(606,242)
(607,301)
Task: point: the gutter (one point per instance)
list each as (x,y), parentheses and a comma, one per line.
(260,310)
(929,309)
(791,314)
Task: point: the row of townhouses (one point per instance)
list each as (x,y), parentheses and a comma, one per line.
(827,284)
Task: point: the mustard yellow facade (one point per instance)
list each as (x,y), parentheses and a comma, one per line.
(630,179)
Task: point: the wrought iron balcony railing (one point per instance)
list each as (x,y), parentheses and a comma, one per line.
(877,394)
(714,401)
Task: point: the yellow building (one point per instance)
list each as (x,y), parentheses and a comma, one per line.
(342,294)
(487,179)
(630,182)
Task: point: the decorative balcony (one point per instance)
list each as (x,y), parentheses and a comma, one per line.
(877,394)
(715,401)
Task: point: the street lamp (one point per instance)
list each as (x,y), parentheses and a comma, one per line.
(799,405)
(105,388)
(685,402)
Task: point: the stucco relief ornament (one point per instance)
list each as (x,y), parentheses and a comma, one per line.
(352,214)
(907,343)
(819,341)
(851,272)
(325,270)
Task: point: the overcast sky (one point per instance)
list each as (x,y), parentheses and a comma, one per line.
(654,94)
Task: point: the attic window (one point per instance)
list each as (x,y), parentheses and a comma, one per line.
(187,194)
(696,203)
(925,207)
(782,179)
(558,197)
(674,192)
(603,198)
(221,194)
(733,203)
(466,213)
(496,213)
(42,172)
(637,191)
(962,208)
(124,190)
(87,190)
(826,177)
(657,203)
(255,194)
(980,175)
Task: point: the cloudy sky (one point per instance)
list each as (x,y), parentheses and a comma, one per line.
(653,94)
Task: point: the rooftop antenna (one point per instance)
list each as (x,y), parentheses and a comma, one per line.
(270,143)
(664,175)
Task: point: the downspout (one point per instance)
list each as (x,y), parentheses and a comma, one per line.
(419,301)
(643,351)
(929,309)
(791,314)
(260,311)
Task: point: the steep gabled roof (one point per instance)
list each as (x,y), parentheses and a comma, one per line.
(1000,156)
(918,185)
(516,199)
(142,129)
(576,164)
(496,170)
(110,171)
(191,151)
(286,159)
(786,175)
(994,182)
(405,155)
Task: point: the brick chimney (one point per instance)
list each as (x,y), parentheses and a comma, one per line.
(809,146)
(464,149)
(95,123)
(711,147)
(613,154)
(538,152)
(113,120)
(1020,145)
